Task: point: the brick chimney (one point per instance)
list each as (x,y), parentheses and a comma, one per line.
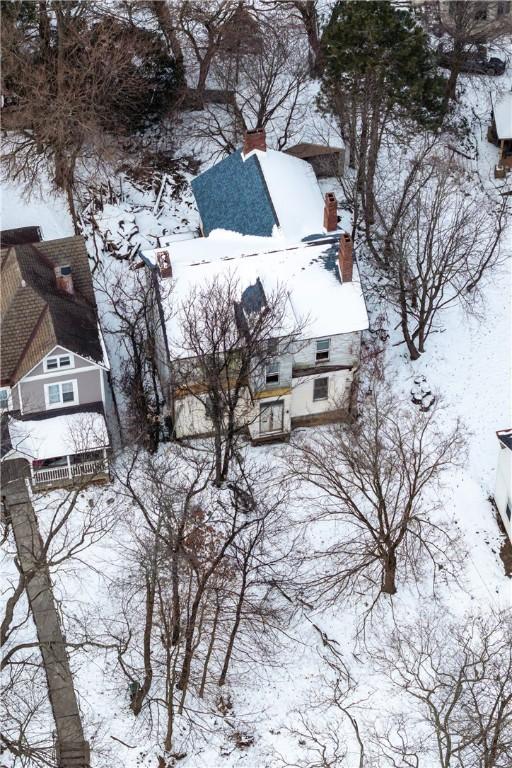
(163,259)
(330,213)
(346,258)
(255,140)
(64,279)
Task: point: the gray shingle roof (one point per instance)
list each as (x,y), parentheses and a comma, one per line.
(233,195)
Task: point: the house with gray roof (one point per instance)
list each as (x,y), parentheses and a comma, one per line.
(54,382)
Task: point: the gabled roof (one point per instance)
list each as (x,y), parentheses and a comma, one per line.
(36,315)
(262,194)
(503,116)
(233,195)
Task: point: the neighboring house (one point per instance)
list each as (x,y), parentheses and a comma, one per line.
(500,133)
(503,492)
(54,387)
(486,13)
(325,160)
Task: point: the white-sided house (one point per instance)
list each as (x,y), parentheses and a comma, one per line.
(55,389)
(265,222)
(503,492)
(310,381)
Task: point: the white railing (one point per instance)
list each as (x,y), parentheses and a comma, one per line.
(68,472)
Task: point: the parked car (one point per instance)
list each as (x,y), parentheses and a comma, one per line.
(474,62)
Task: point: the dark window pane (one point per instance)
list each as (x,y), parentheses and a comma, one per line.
(320,389)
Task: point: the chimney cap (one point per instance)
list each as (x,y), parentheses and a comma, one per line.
(255,138)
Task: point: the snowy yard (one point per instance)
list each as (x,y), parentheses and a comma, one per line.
(278,707)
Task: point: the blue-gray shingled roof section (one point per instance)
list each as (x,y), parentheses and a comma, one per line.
(233,195)
(506,439)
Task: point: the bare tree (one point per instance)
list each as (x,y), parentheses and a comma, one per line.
(135,324)
(375,476)
(202,27)
(459,674)
(226,342)
(439,241)
(265,88)
(78,75)
(188,606)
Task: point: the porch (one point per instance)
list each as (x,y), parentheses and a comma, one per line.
(62,471)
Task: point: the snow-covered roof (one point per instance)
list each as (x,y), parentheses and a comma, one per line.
(220,244)
(308,271)
(262,194)
(503,116)
(294,192)
(57,436)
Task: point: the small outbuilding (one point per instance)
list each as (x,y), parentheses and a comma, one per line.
(503,492)
(327,162)
(500,133)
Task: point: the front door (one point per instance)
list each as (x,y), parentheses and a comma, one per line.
(271,417)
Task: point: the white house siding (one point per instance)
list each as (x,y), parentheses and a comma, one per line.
(190,418)
(503,493)
(297,371)
(344,350)
(302,403)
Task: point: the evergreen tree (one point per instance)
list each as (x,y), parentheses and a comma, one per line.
(378,69)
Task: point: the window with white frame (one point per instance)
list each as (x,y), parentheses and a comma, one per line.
(272,373)
(56,362)
(323,347)
(321,388)
(5,399)
(61,393)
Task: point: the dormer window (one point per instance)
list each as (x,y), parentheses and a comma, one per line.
(58,361)
(323,347)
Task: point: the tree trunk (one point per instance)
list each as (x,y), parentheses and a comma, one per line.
(176,618)
(138,699)
(389,573)
(164,18)
(210,647)
(218,454)
(413,351)
(238,617)
(182,684)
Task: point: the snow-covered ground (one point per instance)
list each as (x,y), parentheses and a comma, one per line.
(469,366)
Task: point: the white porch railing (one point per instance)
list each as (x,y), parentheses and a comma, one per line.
(69,471)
